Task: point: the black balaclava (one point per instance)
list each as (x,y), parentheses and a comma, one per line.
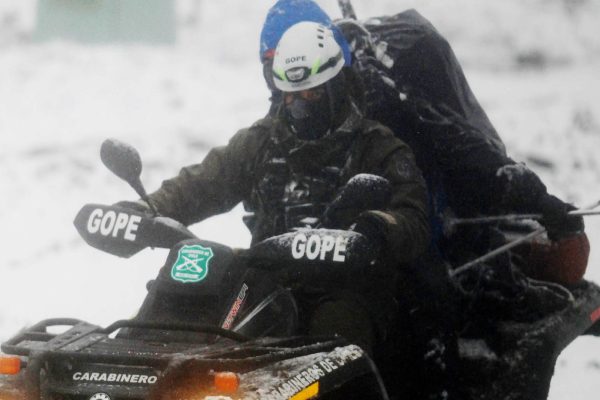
(309,120)
(313,120)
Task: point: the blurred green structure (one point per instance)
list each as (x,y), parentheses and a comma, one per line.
(106,21)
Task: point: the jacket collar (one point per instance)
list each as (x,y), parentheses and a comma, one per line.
(283,135)
(331,150)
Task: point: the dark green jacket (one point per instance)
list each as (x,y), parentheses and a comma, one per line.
(277,177)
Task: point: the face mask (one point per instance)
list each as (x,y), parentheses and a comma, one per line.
(308,119)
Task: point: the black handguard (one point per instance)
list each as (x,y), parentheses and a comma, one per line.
(312,257)
(557,220)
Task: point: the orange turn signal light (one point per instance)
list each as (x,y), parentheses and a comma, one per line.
(10,365)
(227,382)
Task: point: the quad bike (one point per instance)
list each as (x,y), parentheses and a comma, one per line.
(236,335)
(216,324)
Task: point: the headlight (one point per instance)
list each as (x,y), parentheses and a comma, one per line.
(227,382)
(218,398)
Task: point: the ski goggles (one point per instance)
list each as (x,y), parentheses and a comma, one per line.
(310,95)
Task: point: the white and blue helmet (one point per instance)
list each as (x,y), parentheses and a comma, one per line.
(286,13)
(306,56)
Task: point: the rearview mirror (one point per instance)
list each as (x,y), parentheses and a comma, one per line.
(122,160)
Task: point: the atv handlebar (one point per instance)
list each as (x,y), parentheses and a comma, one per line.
(124,232)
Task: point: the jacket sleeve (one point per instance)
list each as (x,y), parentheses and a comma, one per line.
(212,187)
(469,161)
(406,221)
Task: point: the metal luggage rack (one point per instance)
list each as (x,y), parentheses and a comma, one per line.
(37,336)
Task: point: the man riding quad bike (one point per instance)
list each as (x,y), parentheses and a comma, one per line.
(287,170)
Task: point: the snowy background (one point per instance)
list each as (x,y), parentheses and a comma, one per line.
(533,64)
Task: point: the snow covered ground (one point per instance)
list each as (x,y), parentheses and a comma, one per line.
(533,64)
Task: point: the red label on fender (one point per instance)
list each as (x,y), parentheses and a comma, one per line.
(235,308)
(595,315)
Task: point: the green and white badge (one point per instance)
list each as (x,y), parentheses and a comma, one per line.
(192,264)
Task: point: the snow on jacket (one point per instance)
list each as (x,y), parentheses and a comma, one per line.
(279,177)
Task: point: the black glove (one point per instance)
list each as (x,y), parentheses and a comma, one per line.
(373,228)
(521,188)
(557,220)
(139,206)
